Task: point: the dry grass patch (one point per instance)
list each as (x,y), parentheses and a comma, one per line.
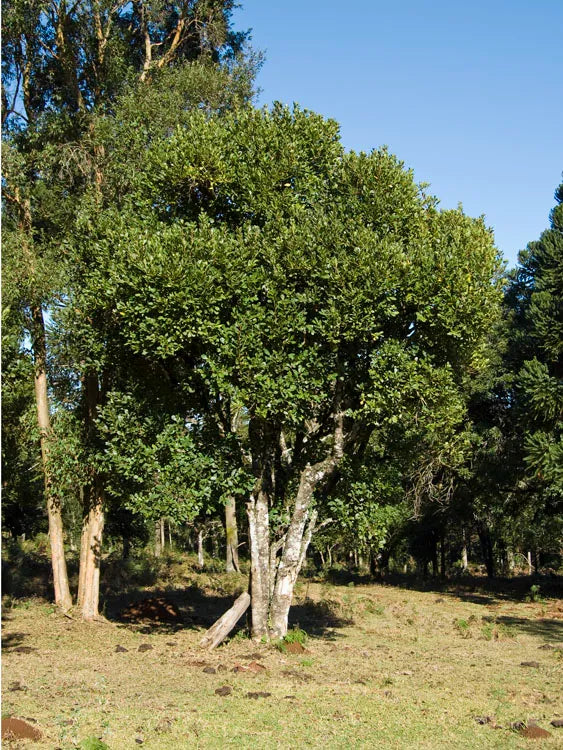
(384,667)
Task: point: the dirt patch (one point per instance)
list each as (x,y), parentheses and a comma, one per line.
(295,648)
(17,729)
(225,690)
(15,686)
(534,733)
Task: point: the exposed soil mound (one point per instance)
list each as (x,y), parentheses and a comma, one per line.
(155,609)
(18,729)
(534,733)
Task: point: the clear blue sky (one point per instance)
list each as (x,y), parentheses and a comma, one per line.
(468,94)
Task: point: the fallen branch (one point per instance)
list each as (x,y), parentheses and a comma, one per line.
(221,629)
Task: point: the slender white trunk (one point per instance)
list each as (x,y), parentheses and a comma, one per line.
(231,533)
(200,557)
(157,539)
(63,598)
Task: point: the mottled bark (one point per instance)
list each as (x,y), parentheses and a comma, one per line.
(259,535)
(294,549)
(231,534)
(63,598)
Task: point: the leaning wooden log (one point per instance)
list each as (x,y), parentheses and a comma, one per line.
(221,629)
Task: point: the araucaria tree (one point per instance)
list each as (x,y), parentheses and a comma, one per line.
(320,291)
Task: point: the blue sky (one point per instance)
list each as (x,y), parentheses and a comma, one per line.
(468,95)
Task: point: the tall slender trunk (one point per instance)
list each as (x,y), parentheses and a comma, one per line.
(231,533)
(442,557)
(464,562)
(434,553)
(157,539)
(93,525)
(200,557)
(63,598)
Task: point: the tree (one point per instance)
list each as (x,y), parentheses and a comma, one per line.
(63,64)
(534,371)
(262,265)
(538,289)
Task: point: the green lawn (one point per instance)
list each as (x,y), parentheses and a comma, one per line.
(385,667)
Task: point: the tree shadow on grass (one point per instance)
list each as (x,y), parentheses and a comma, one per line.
(196,608)
(480,590)
(318,619)
(548,629)
(14,642)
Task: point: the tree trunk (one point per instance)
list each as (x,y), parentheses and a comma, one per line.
(259,536)
(464,562)
(442,557)
(200,557)
(126,553)
(510,562)
(530,566)
(488,551)
(162,537)
(294,551)
(434,553)
(221,629)
(157,539)
(93,525)
(231,533)
(63,598)
(91,555)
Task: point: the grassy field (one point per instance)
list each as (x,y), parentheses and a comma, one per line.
(390,666)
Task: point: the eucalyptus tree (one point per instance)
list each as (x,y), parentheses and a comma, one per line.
(319,290)
(64,64)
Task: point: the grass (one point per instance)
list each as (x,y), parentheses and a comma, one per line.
(386,667)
